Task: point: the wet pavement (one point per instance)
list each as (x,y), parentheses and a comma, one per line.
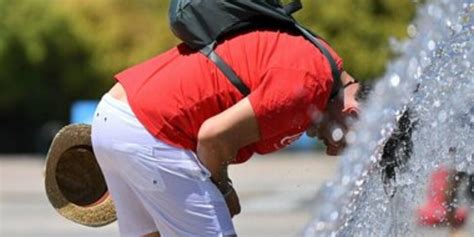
(276,193)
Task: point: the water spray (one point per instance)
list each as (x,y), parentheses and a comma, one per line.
(405,135)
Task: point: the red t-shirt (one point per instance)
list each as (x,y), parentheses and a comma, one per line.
(173,93)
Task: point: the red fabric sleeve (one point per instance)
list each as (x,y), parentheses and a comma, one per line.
(282,101)
(337,58)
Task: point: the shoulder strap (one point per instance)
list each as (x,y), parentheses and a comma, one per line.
(295,5)
(334,70)
(222,65)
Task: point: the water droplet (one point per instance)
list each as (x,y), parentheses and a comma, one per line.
(337,134)
(457,48)
(449,23)
(395,80)
(467,64)
(411,30)
(350,137)
(320,225)
(345,180)
(431,45)
(457,28)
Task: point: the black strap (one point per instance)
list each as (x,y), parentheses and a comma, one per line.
(292,7)
(237,82)
(350,83)
(334,70)
(222,65)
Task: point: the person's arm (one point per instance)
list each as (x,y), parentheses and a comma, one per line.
(219,140)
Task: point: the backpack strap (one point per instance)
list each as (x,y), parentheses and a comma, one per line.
(334,70)
(209,52)
(230,74)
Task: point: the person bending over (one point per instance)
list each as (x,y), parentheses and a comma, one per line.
(165,134)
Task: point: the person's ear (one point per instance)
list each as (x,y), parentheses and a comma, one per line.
(352,112)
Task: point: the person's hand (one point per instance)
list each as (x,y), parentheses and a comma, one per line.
(230,195)
(232,200)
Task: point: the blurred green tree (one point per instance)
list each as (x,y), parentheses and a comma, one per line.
(359,30)
(53,52)
(43,67)
(119,33)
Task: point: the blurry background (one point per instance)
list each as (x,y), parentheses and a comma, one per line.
(59,56)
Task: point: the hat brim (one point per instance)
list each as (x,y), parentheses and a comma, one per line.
(71,168)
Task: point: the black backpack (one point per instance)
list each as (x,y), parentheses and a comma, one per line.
(201,23)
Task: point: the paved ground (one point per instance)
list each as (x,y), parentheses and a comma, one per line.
(275,193)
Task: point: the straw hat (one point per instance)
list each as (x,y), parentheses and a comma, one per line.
(74,182)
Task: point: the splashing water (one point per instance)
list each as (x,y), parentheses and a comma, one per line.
(436,63)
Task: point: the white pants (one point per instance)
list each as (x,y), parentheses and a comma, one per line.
(154,186)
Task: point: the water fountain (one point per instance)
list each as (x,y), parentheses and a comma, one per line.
(434,78)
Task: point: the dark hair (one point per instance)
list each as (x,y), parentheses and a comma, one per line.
(364,91)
